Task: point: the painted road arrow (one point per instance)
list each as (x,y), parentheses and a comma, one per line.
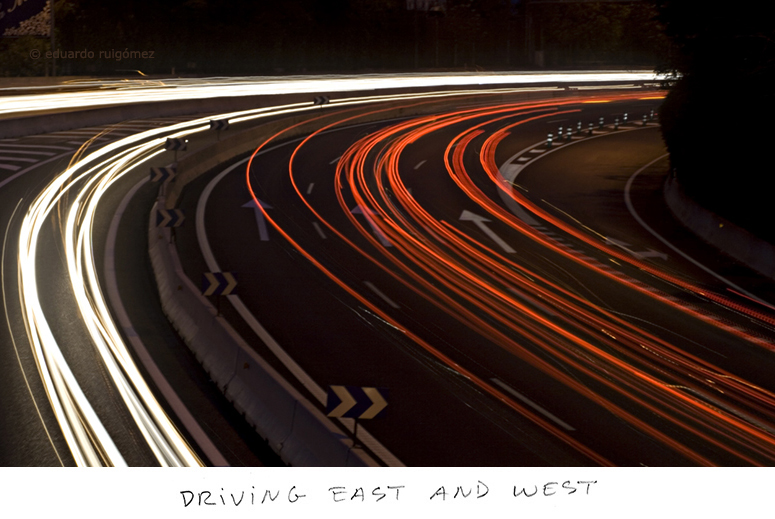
(356,402)
(479,221)
(263,232)
(650,253)
(218,283)
(367,213)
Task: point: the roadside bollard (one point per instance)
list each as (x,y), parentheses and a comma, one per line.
(578,128)
(651,115)
(644,120)
(559,132)
(616,123)
(549,141)
(568,133)
(590,129)
(600,124)
(625,118)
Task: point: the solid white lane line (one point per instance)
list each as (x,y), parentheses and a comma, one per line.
(19,159)
(34,146)
(10,167)
(18,152)
(532,404)
(381,294)
(634,213)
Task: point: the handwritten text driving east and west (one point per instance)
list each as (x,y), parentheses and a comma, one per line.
(338,494)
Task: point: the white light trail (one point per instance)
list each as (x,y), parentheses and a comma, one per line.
(77,192)
(114,92)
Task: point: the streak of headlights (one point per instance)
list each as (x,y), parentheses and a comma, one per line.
(202,89)
(88,179)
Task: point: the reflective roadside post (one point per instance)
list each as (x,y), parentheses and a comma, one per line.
(549,140)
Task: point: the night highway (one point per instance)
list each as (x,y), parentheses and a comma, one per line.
(559,333)
(386,257)
(438,233)
(503,268)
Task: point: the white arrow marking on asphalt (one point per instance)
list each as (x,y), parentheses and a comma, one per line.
(377,231)
(479,221)
(378,403)
(651,253)
(262,230)
(347,401)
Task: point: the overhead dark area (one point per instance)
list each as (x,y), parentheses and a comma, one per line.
(716,116)
(193,37)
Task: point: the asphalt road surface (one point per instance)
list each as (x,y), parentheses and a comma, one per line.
(559,332)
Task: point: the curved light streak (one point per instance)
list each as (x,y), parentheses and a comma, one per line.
(177,89)
(685,392)
(76,192)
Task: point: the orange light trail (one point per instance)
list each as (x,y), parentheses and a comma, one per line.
(473,283)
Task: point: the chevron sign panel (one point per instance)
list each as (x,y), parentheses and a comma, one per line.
(356,402)
(169,218)
(162,174)
(321,100)
(175,144)
(219,124)
(219,283)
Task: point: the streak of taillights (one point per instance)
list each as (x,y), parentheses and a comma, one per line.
(692,394)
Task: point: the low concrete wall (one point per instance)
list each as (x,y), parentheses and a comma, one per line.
(722,234)
(294,428)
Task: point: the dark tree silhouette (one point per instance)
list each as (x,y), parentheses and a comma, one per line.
(716,118)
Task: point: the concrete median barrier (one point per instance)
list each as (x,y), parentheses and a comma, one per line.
(298,431)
